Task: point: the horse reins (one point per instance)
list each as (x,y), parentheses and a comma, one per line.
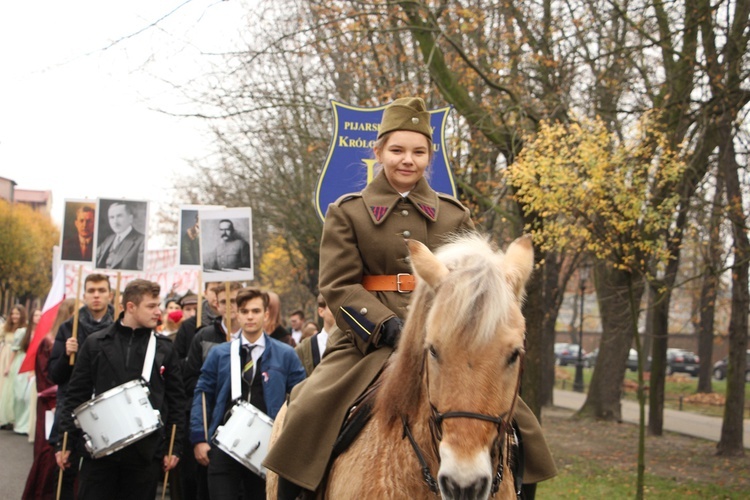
(436,421)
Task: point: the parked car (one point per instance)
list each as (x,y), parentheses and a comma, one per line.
(632,362)
(720,368)
(567,354)
(589,360)
(680,360)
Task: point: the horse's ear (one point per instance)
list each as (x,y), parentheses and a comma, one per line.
(425,264)
(519,260)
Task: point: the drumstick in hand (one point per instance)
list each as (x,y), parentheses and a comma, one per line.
(60,476)
(169,459)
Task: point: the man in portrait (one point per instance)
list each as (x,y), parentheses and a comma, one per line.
(232,252)
(79,246)
(124,248)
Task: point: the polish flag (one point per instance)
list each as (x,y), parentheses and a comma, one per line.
(49,313)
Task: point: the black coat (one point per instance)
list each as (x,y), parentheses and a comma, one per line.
(60,368)
(114,356)
(59,362)
(204,340)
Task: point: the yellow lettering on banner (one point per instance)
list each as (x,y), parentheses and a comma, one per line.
(348,142)
(370,164)
(360,126)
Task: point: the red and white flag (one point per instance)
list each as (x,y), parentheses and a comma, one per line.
(49,313)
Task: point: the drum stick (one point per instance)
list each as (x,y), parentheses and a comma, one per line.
(205,422)
(60,475)
(228,312)
(117,296)
(169,459)
(75,313)
(199,310)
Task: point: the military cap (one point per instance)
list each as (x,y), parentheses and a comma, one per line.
(406,113)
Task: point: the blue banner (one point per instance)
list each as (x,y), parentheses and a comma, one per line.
(349,165)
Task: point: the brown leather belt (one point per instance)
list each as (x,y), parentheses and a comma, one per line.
(401,283)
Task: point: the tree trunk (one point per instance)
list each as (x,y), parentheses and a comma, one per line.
(659,342)
(731,440)
(552,298)
(709,291)
(533,311)
(605,392)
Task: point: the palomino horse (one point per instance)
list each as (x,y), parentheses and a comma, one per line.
(445,405)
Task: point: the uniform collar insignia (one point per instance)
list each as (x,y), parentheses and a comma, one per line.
(380,199)
(428,210)
(378,212)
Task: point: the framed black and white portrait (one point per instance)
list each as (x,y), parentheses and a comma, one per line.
(226,242)
(121,234)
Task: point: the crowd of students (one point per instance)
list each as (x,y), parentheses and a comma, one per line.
(69,369)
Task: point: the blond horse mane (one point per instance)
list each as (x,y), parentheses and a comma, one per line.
(470,301)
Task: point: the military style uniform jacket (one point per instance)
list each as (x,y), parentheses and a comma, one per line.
(364,235)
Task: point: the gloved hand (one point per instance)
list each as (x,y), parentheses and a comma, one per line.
(391,331)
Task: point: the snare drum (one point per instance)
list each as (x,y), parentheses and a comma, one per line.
(117,418)
(245,436)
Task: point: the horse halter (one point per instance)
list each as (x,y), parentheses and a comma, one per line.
(504,431)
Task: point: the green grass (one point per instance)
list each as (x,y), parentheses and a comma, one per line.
(586,479)
(673,390)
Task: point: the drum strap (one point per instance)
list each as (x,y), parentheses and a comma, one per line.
(148,362)
(234,369)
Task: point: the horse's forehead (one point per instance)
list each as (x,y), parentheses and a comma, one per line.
(507,336)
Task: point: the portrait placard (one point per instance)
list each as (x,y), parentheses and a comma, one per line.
(121,234)
(226,244)
(189,252)
(77,238)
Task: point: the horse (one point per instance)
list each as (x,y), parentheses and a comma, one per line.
(441,418)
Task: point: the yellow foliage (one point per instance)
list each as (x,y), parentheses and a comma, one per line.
(281,267)
(593,192)
(26,241)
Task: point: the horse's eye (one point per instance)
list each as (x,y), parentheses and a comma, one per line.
(433,352)
(514,357)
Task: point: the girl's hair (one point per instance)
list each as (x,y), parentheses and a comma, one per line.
(66,311)
(9,327)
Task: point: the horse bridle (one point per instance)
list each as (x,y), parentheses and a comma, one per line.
(504,431)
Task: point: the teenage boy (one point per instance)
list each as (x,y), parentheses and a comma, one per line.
(268,370)
(96,314)
(128,350)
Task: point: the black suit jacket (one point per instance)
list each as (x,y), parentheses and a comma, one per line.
(128,255)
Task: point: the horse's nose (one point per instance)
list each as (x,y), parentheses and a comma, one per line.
(477,490)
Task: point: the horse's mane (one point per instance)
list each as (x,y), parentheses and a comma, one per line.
(470,302)
(475,296)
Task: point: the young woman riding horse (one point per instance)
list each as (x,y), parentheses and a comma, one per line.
(365,278)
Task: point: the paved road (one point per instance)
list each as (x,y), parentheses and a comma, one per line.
(681,422)
(16,455)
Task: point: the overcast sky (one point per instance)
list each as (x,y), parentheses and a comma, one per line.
(79,119)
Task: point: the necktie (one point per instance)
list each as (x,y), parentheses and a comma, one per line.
(247,368)
(116,244)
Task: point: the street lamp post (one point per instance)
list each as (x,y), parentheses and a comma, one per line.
(583,272)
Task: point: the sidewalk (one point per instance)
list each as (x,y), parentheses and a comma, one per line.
(682,422)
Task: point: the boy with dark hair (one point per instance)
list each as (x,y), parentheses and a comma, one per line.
(96,314)
(128,350)
(267,371)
